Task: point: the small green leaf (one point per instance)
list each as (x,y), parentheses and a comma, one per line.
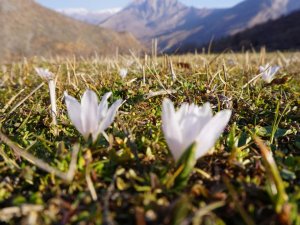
(181,210)
(121,185)
(267,132)
(19,200)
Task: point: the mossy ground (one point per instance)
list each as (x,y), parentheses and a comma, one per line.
(131,172)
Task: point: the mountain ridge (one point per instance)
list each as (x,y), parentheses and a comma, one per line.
(88,16)
(191,27)
(274,35)
(148,19)
(247,14)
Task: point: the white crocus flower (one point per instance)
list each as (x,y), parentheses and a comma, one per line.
(192,124)
(90,117)
(46,75)
(123,73)
(268,72)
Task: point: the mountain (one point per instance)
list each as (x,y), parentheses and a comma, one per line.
(28,29)
(148,19)
(180,28)
(238,18)
(279,34)
(91,17)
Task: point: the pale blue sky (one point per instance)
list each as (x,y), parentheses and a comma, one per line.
(106,4)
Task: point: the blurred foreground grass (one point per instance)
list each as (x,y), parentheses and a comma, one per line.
(130,173)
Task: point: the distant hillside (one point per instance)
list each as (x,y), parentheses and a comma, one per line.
(28,29)
(280,34)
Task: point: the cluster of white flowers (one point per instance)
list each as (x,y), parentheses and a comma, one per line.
(190,124)
(89,117)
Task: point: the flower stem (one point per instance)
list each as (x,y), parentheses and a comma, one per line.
(53,100)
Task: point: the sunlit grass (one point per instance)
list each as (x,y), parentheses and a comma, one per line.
(132,169)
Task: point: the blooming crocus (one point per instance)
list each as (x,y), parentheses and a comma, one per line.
(91,118)
(123,73)
(268,72)
(46,75)
(192,124)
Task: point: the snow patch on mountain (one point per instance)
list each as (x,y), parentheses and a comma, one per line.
(89,16)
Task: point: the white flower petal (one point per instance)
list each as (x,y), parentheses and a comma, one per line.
(261,69)
(109,117)
(211,132)
(123,73)
(89,112)
(269,72)
(264,68)
(266,78)
(182,111)
(74,111)
(44,74)
(190,129)
(171,129)
(206,110)
(103,106)
(193,122)
(186,109)
(275,69)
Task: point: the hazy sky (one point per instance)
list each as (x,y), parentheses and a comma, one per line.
(105,4)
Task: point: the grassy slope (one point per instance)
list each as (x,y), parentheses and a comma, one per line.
(29,29)
(129,174)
